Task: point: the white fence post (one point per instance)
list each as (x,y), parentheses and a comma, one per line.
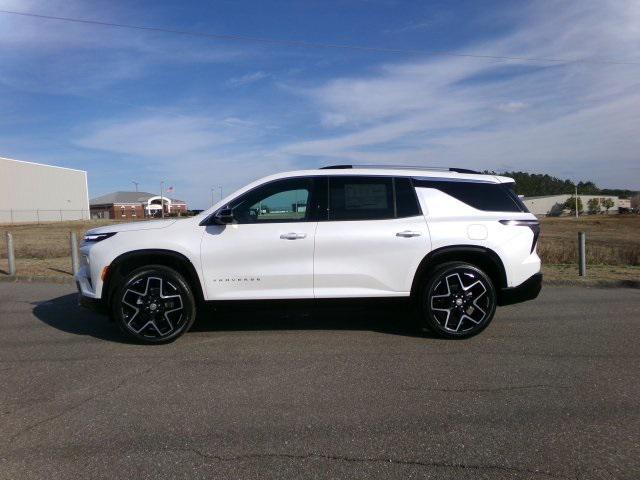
(11,256)
(75,264)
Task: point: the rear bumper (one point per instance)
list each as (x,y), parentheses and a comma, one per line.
(527,290)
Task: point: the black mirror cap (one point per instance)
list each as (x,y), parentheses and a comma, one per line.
(224,216)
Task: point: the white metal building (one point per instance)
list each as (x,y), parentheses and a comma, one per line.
(33,192)
(552,204)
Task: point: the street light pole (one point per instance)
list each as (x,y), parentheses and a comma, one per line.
(161,199)
(220,187)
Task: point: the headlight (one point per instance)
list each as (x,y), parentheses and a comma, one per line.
(97,237)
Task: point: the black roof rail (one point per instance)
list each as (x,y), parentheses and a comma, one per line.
(401,167)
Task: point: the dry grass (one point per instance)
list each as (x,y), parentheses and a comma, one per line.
(594,272)
(47,240)
(611,240)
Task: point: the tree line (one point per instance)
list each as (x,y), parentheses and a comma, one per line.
(538,184)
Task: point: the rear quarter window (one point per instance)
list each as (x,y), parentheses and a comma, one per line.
(489,197)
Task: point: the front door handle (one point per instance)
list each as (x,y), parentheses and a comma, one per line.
(293,236)
(408,234)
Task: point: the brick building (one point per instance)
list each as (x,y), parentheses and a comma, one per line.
(134,205)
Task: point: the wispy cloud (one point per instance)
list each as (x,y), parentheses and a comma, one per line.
(572,117)
(512,107)
(247,78)
(73,58)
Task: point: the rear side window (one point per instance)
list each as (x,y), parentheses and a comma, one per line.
(490,197)
(360,198)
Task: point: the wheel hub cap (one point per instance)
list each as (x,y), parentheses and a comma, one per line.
(460,301)
(152,306)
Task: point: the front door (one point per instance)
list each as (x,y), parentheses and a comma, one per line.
(267,252)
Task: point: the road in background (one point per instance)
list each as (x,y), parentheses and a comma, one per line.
(549,390)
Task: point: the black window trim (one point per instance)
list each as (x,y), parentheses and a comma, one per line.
(313,213)
(393,178)
(433,182)
(320,206)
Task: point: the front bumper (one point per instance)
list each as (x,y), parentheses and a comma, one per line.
(527,290)
(95,304)
(86,294)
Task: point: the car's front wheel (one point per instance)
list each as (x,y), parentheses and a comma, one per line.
(154,304)
(458,300)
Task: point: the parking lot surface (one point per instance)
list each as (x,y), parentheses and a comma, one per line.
(550,390)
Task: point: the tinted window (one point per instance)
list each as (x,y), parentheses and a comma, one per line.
(511,190)
(406,198)
(279,201)
(360,198)
(491,197)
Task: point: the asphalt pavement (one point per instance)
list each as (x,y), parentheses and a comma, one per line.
(550,390)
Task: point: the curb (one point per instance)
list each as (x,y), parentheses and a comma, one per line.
(592,283)
(38,279)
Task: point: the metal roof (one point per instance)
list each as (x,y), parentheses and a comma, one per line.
(128,197)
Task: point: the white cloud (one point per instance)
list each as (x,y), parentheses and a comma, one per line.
(573,118)
(74,58)
(512,107)
(247,79)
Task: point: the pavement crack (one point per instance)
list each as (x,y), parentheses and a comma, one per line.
(495,389)
(395,461)
(77,405)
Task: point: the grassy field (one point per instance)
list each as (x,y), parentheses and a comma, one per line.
(613,246)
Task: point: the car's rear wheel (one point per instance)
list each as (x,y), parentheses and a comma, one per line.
(458,300)
(154,304)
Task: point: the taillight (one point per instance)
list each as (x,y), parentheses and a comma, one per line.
(534,225)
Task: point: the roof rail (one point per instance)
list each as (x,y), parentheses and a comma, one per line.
(402,167)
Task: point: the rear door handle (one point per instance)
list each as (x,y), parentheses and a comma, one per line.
(408,234)
(293,236)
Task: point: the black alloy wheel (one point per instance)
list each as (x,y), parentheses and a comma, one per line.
(154,304)
(458,300)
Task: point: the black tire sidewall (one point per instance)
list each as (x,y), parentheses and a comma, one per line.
(189,303)
(426,316)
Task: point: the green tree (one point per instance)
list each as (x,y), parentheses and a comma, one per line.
(593,206)
(607,203)
(570,204)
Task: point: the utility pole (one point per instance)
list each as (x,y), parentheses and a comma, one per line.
(161,199)
(220,187)
(212,202)
(576,201)
(136,184)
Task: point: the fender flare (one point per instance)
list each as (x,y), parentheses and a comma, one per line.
(192,274)
(488,258)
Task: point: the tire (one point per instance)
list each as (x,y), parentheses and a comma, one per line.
(154,304)
(458,300)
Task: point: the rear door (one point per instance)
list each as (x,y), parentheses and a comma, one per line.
(371,239)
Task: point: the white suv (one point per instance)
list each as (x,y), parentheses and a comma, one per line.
(456,242)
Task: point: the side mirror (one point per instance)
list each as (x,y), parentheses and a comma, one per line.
(224,216)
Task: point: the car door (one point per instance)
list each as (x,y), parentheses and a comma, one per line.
(267,252)
(373,239)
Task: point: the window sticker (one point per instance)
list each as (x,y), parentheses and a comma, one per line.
(358,196)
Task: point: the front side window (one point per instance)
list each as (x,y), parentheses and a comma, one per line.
(360,198)
(276,202)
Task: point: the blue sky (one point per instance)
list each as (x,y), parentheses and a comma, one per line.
(197,113)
